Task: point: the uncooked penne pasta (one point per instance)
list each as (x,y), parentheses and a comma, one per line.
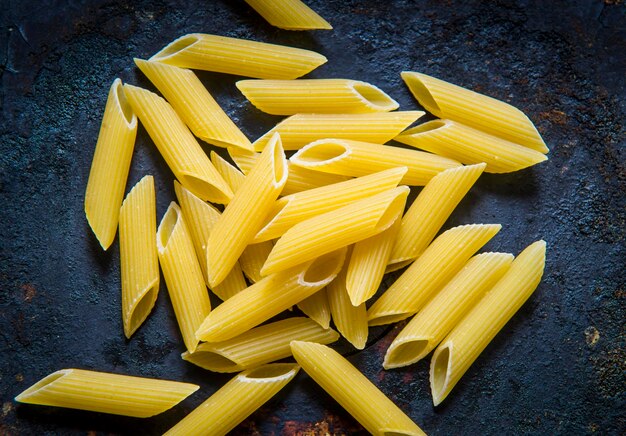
(430,272)
(194,104)
(431,324)
(107,393)
(469,338)
(492,116)
(301,129)
(335,229)
(139,263)
(353,391)
(235,401)
(316,307)
(182,274)
(289,14)
(316,96)
(179,148)
(470,146)
(233,176)
(242,57)
(110,165)
(355,158)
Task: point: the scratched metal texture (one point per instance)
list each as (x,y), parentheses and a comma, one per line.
(558,367)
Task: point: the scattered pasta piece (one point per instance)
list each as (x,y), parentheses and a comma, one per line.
(289,14)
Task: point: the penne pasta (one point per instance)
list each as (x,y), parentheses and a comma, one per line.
(182,274)
(235,401)
(301,129)
(194,104)
(492,116)
(352,390)
(233,176)
(439,316)
(110,165)
(316,96)
(354,158)
(430,272)
(316,307)
(469,338)
(179,148)
(107,393)
(139,264)
(289,14)
(239,56)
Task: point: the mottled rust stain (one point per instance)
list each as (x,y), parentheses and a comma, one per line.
(29,292)
(555,116)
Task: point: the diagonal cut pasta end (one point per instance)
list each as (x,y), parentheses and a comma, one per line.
(208,357)
(419,88)
(141,308)
(175,47)
(323,270)
(440,368)
(373,97)
(407,352)
(321,152)
(29,394)
(270,373)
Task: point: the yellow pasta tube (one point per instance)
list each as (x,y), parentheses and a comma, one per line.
(268,297)
(233,176)
(289,14)
(354,158)
(194,104)
(239,56)
(261,345)
(353,391)
(316,307)
(335,229)
(177,145)
(301,129)
(469,338)
(470,146)
(139,264)
(431,271)
(107,393)
(183,275)
(246,211)
(110,165)
(492,116)
(292,209)
(446,309)
(316,96)
(430,210)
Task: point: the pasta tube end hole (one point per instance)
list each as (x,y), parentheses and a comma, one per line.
(141,310)
(124,105)
(393,211)
(166,228)
(439,373)
(406,353)
(374,96)
(426,127)
(324,268)
(205,190)
(213,361)
(175,47)
(25,396)
(273,371)
(323,151)
(421,92)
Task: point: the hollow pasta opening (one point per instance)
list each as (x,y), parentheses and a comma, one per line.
(374,96)
(324,268)
(212,360)
(48,380)
(141,310)
(392,213)
(273,371)
(406,353)
(205,190)
(387,319)
(168,223)
(175,47)
(279,163)
(321,152)
(123,104)
(278,208)
(421,92)
(439,373)
(425,128)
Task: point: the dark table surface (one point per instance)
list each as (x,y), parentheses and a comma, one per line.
(559,365)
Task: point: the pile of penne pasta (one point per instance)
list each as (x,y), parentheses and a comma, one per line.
(317,230)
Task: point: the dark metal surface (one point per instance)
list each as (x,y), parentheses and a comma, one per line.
(557,368)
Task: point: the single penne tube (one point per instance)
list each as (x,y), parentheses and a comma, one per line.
(110,165)
(246,212)
(292,209)
(316,307)
(268,297)
(261,345)
(430,210)
(301,129)
(439,316)
(194,104)
(316,96)
(430,272)
(182,274)
(471,336)
(332,230)
(139,263)
(289,14)
(355,158)
(179,148)
(353,391)
(445,100)
(470,146)
(107,393)
(241,57)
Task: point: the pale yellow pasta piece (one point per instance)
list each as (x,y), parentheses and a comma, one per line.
(492,116)
(316,307)
(335,229)
(430,272)
(353,391)
(289,14)
(182,274)
(355,158)
(139,263)
(316,96)
(301,129)
(233,176)
(239,56)
(469,338)
(110,165)
(446,309)
(107,393)
(235,401)
(179,148)
(194,104)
